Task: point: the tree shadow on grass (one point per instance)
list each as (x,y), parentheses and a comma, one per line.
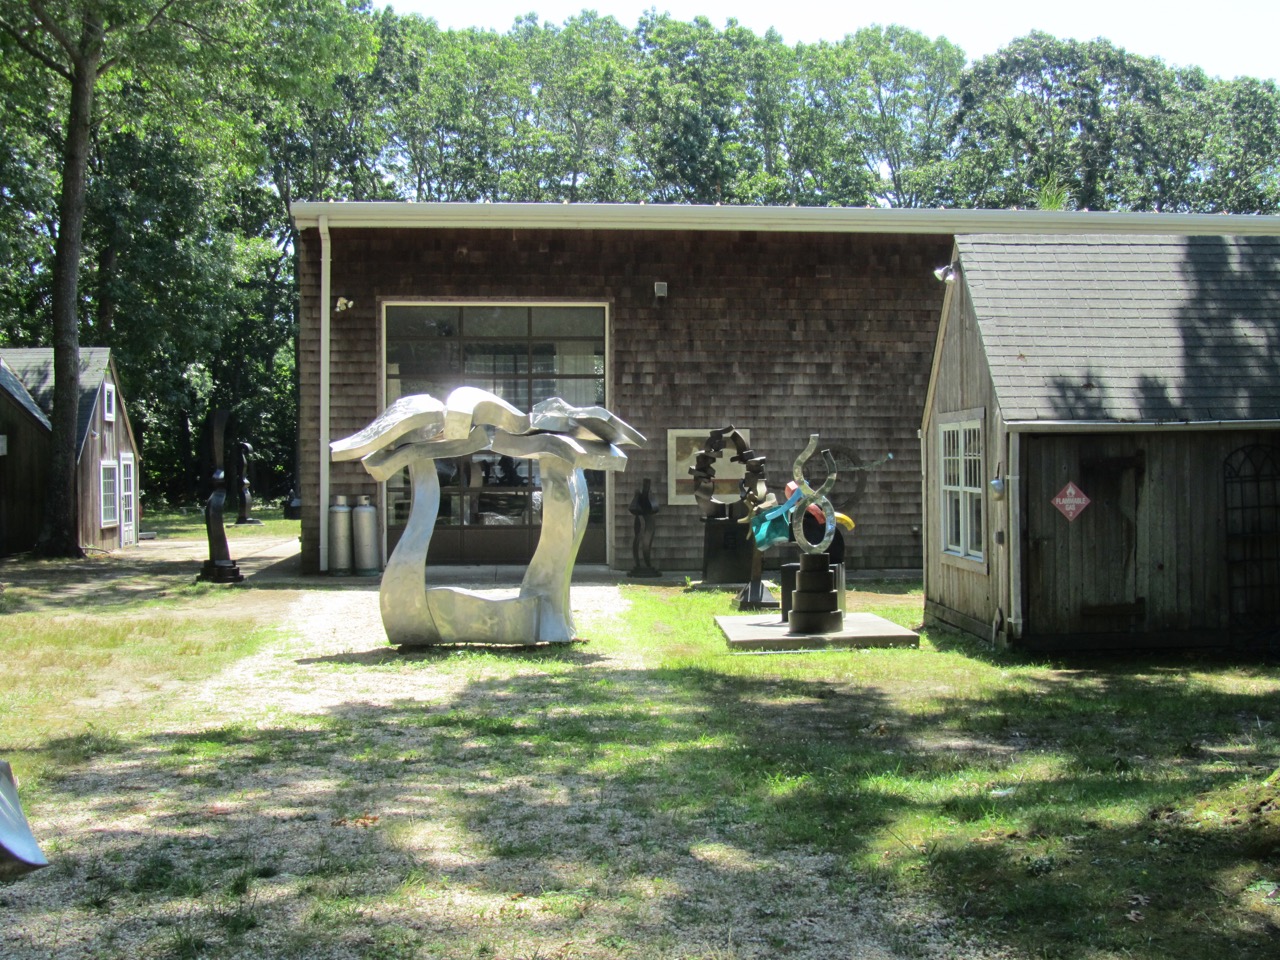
(119,581)
(575,654)
(645,812)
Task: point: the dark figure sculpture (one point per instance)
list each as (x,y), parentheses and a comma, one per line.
(246,498)
(219,568)
(729,552)
(726,543)
(644,505)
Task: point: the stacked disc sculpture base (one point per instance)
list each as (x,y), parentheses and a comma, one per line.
(815,602)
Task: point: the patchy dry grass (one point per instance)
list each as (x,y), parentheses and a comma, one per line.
(648,795)
(1074,809)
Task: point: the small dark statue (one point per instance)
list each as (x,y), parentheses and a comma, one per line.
(644,505)
(219,568)
(246,498)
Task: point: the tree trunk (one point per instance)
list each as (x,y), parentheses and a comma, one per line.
(107,259)
(62,506)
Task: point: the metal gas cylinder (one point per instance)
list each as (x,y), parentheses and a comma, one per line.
(339,537)
(364,535)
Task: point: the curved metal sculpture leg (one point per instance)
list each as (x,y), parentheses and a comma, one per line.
(564,523)
(406,615)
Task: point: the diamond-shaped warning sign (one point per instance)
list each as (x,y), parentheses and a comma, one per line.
(1071,501)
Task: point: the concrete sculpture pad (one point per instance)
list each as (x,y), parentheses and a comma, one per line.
(762,633)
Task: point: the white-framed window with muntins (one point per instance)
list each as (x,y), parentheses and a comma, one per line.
(963,504)
(109,487)
(108,402)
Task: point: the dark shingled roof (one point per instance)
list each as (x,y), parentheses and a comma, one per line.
(1150,328)
(34,367)
(11,385)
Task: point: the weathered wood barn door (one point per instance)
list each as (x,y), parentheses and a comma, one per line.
(1081,557)
(1251,477)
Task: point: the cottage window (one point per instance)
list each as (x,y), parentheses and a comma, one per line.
(109,489)
(108,402)
(963,533)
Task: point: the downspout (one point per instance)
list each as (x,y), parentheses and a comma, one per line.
(610,478)
(325,281)
(925,519)
(1015,536)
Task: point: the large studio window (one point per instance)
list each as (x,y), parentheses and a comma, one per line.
(491,505)
(963,530)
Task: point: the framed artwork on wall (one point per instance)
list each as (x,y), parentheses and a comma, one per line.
(682,451)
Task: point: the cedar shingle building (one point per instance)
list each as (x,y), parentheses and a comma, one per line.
(1143,372)
(783,321)
(107,456)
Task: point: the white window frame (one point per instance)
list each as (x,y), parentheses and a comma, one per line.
(111,519)
(109,402)
(128,482)
(961,488)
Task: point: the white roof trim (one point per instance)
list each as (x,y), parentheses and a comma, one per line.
(639,216)
(1130,426)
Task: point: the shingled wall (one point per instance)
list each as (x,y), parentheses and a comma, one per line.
(784,334)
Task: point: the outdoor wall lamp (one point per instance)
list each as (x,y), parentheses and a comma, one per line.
(343,304)
(946,274)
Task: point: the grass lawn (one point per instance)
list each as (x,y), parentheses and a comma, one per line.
(187,523)
(557,802)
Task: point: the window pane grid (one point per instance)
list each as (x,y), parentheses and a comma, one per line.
(963,529)
(110,514)
(522,353)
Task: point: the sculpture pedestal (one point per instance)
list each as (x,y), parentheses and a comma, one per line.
(220,571)
(726,550)
(815,604)
(788,579)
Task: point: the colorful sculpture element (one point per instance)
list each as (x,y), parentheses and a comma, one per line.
(815,602)
(417,430)
(769,522)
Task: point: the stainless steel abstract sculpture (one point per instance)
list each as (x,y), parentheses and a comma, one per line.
(417,430)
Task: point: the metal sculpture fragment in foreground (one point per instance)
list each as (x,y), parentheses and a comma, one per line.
(19,852)
(417,430)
